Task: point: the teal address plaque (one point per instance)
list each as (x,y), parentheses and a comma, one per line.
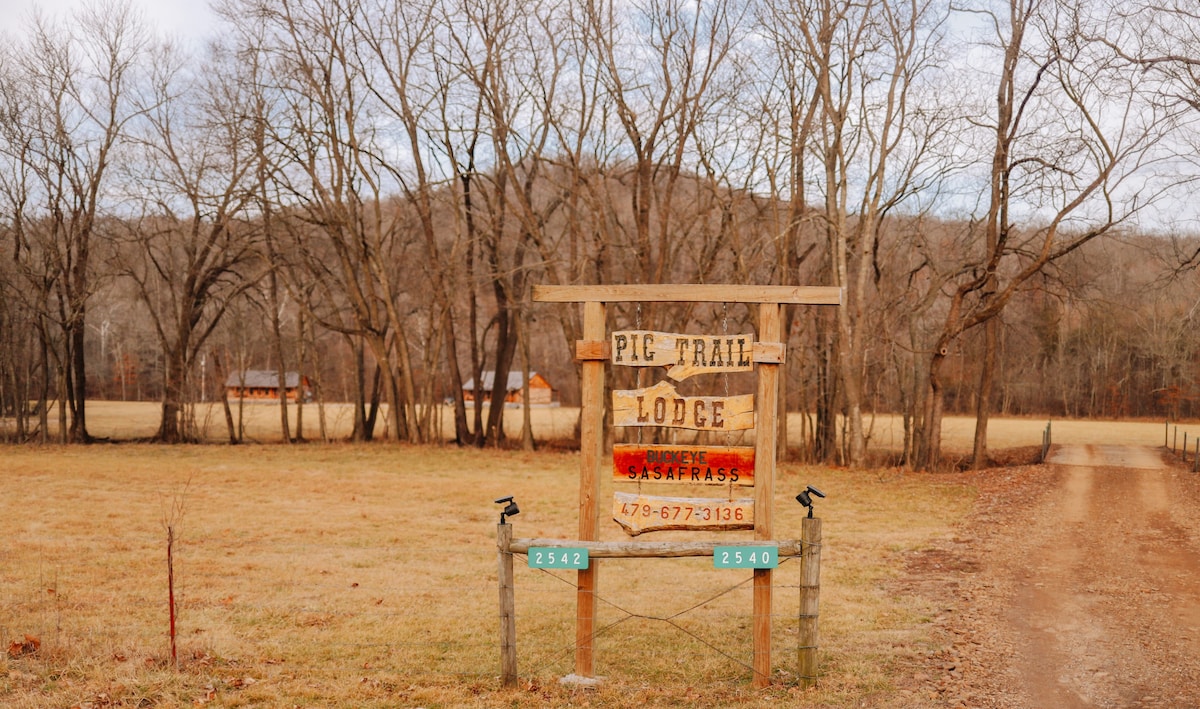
(558,557)
(746,557)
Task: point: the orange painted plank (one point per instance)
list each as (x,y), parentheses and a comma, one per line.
(682,464)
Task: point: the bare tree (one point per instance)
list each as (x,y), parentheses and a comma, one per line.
(851,70)
(1070,135)
(513,63)
(350,237)
(192,250)
(69,95)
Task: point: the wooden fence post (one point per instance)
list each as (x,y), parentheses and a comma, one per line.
(1196,458)
(508,606)
(810,595)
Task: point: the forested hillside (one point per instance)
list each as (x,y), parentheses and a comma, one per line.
(366,192)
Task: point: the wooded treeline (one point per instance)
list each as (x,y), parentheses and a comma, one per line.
(366,190)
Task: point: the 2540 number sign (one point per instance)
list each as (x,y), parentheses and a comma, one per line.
(558,557)
(746,557)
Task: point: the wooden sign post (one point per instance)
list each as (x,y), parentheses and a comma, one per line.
(683,356)
(769,318)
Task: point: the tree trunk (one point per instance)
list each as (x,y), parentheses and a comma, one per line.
(929,448)
(362,431)
(277,340)
(825,436)
(983,405)
(527,442)
(78,387)
(222,376)
(301,352)
(173,398)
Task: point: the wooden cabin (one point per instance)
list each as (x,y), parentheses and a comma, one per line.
(540,391)
(263,385)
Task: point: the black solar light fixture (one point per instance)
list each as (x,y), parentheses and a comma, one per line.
(805,498)
(510,508)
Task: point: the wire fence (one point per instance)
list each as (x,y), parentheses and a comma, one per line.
(322,621)
(656,618)
(650,623)
(1185,448)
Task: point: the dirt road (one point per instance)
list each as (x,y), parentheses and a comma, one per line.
(1075,584)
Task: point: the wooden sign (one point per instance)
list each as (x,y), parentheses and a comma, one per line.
(683,355)
(661,405)
(695,465)
(645,513)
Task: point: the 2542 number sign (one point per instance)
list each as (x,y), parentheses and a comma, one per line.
(558,557)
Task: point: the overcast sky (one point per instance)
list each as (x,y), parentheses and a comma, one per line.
(187,18)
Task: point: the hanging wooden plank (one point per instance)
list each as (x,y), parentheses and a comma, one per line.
(647,513)
(661,405)
(683,355)
(682,464)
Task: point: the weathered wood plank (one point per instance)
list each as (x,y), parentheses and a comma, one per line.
(683,464)
(663,293)
(769,353)
(629,549)
(648,513)
(661,405)
(591,351)
(683,355)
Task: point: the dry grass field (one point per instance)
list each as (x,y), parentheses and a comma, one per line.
(123,421)
(365,576)
(126,420)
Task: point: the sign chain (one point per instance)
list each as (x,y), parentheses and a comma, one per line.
(725,375)
(725,331)
(637,325)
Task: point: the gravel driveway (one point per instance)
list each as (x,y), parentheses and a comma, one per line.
(1074,584)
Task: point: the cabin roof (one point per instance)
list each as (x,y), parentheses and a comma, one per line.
(515,381)
(262,379)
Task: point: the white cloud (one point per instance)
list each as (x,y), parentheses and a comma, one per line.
(191,19)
